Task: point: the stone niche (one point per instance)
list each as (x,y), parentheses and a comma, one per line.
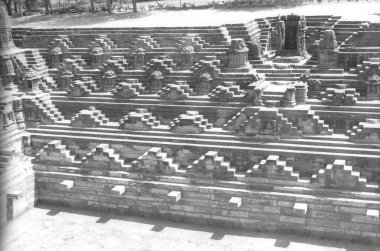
(291,39)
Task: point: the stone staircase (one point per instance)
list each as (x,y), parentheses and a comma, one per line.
(78,89)
(209,64)
(191,119)
(47,108)
(103,157)
(89,118)
(131,88)
(226,93)
(161,63)
(105,42)
(139,119)
(272,167)
(63,41)
(333,96)
(248,31)
(307,121)
(341,176)
(283,125)
(154,161)
(55,153)
(211,165)
(235,122)
(368,131)
(178,90)
(34,59)
(194,40)
(146,42)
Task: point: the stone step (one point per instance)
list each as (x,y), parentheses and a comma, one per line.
(207,139)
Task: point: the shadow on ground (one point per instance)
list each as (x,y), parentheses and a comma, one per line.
(217,234)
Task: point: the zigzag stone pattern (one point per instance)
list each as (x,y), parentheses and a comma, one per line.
(233,124)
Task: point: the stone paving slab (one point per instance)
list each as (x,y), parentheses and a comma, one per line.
(55,228)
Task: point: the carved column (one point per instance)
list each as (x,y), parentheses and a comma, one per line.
(290,100)
(301,93)
(56,56)
(109,77)
(139,58)
(187,55)
(328,51)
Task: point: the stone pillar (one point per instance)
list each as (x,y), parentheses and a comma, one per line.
(6,70)
(65,76)
(19,113)
(139,58)
(203,87)
(237,53)
(258,93)
(187,55)
(32,81)
(301,93)
(6,41)
(290,100)
(280,36)
(328,51)
(301,37)
(155,81)
(56,56)
(96,56)
(109,77)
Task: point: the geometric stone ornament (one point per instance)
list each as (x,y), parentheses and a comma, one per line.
(154,161)
(191,122)
(211,165)
(103,157)
(273,168)
(341,176)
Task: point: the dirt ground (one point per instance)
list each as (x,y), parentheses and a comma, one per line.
(55,228)
(367,11)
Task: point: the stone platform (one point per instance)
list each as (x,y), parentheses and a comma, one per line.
(203,124)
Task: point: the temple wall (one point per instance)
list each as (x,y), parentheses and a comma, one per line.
(17,190)
(306,164)
(263,211)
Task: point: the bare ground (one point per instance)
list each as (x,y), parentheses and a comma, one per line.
(55,228)
(363,11)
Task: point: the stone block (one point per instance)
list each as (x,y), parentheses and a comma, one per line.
(373,213)
(67,184)
(14,196)
(118,190)
(235,202)
(300,209)
(174,196)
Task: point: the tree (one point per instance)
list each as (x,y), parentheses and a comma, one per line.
(109,6)
(134,6)
(9,6)
(92,6)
